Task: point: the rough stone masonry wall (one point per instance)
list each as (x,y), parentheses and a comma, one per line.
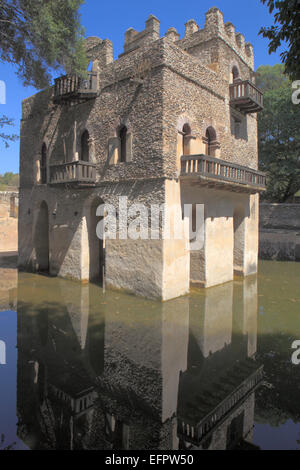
(153,89)
(279,232)
(176,87)
(9,202)
(194,94)
(121,101)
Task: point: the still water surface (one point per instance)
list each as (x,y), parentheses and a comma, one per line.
(83,369)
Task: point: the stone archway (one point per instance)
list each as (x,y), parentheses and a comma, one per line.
(42,239)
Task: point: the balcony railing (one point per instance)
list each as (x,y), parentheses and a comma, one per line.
(73,172)
(214,169)
(246,97)
(73,88)
(196,429)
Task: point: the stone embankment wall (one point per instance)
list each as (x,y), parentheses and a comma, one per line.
(9,203)
(279,231)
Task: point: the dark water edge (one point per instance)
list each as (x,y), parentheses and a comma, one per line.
(92,370)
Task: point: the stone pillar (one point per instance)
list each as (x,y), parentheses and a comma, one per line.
(153,268)
(251,236)
(218,250)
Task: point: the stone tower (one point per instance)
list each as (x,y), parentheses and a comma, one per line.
(170,122)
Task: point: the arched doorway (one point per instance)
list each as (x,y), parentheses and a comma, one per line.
(211,138)
(42,239)
(96,246)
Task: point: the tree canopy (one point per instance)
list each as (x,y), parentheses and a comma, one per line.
(285,30)
(6,138)
(279,134)
(9,179)
(39,37)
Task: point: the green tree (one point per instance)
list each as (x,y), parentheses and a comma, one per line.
(279,134)
(286,30)
(270,77)
(40,37)
(5,121)
(9,180)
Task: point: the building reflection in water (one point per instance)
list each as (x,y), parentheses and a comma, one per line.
(109,371)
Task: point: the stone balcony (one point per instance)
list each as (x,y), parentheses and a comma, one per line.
(246,97)
(218,397)
(213,172)
(71,89)
(76,173)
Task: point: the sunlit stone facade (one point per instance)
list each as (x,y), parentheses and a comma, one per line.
(171,121)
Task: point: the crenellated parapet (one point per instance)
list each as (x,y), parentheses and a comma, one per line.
(191,27)
(99,51)
(216,28)
(135,39)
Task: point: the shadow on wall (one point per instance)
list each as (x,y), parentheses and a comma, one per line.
(239,238)
(238,125)
(95,245)
(77,240)
(41,239)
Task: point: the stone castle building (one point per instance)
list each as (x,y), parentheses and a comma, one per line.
(178,375)
(171,121)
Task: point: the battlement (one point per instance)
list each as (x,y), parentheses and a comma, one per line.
(135,39)
(216,28)
(101,51)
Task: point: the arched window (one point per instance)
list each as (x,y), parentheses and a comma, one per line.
(123,143)
(186,139)
(211,141)
(235,73)
(85,148)
(43,167)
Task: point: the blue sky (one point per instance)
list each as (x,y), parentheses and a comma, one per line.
(111,19)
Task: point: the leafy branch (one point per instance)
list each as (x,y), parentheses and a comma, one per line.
(6,138)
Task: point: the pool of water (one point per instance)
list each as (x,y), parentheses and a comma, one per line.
(85,369)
